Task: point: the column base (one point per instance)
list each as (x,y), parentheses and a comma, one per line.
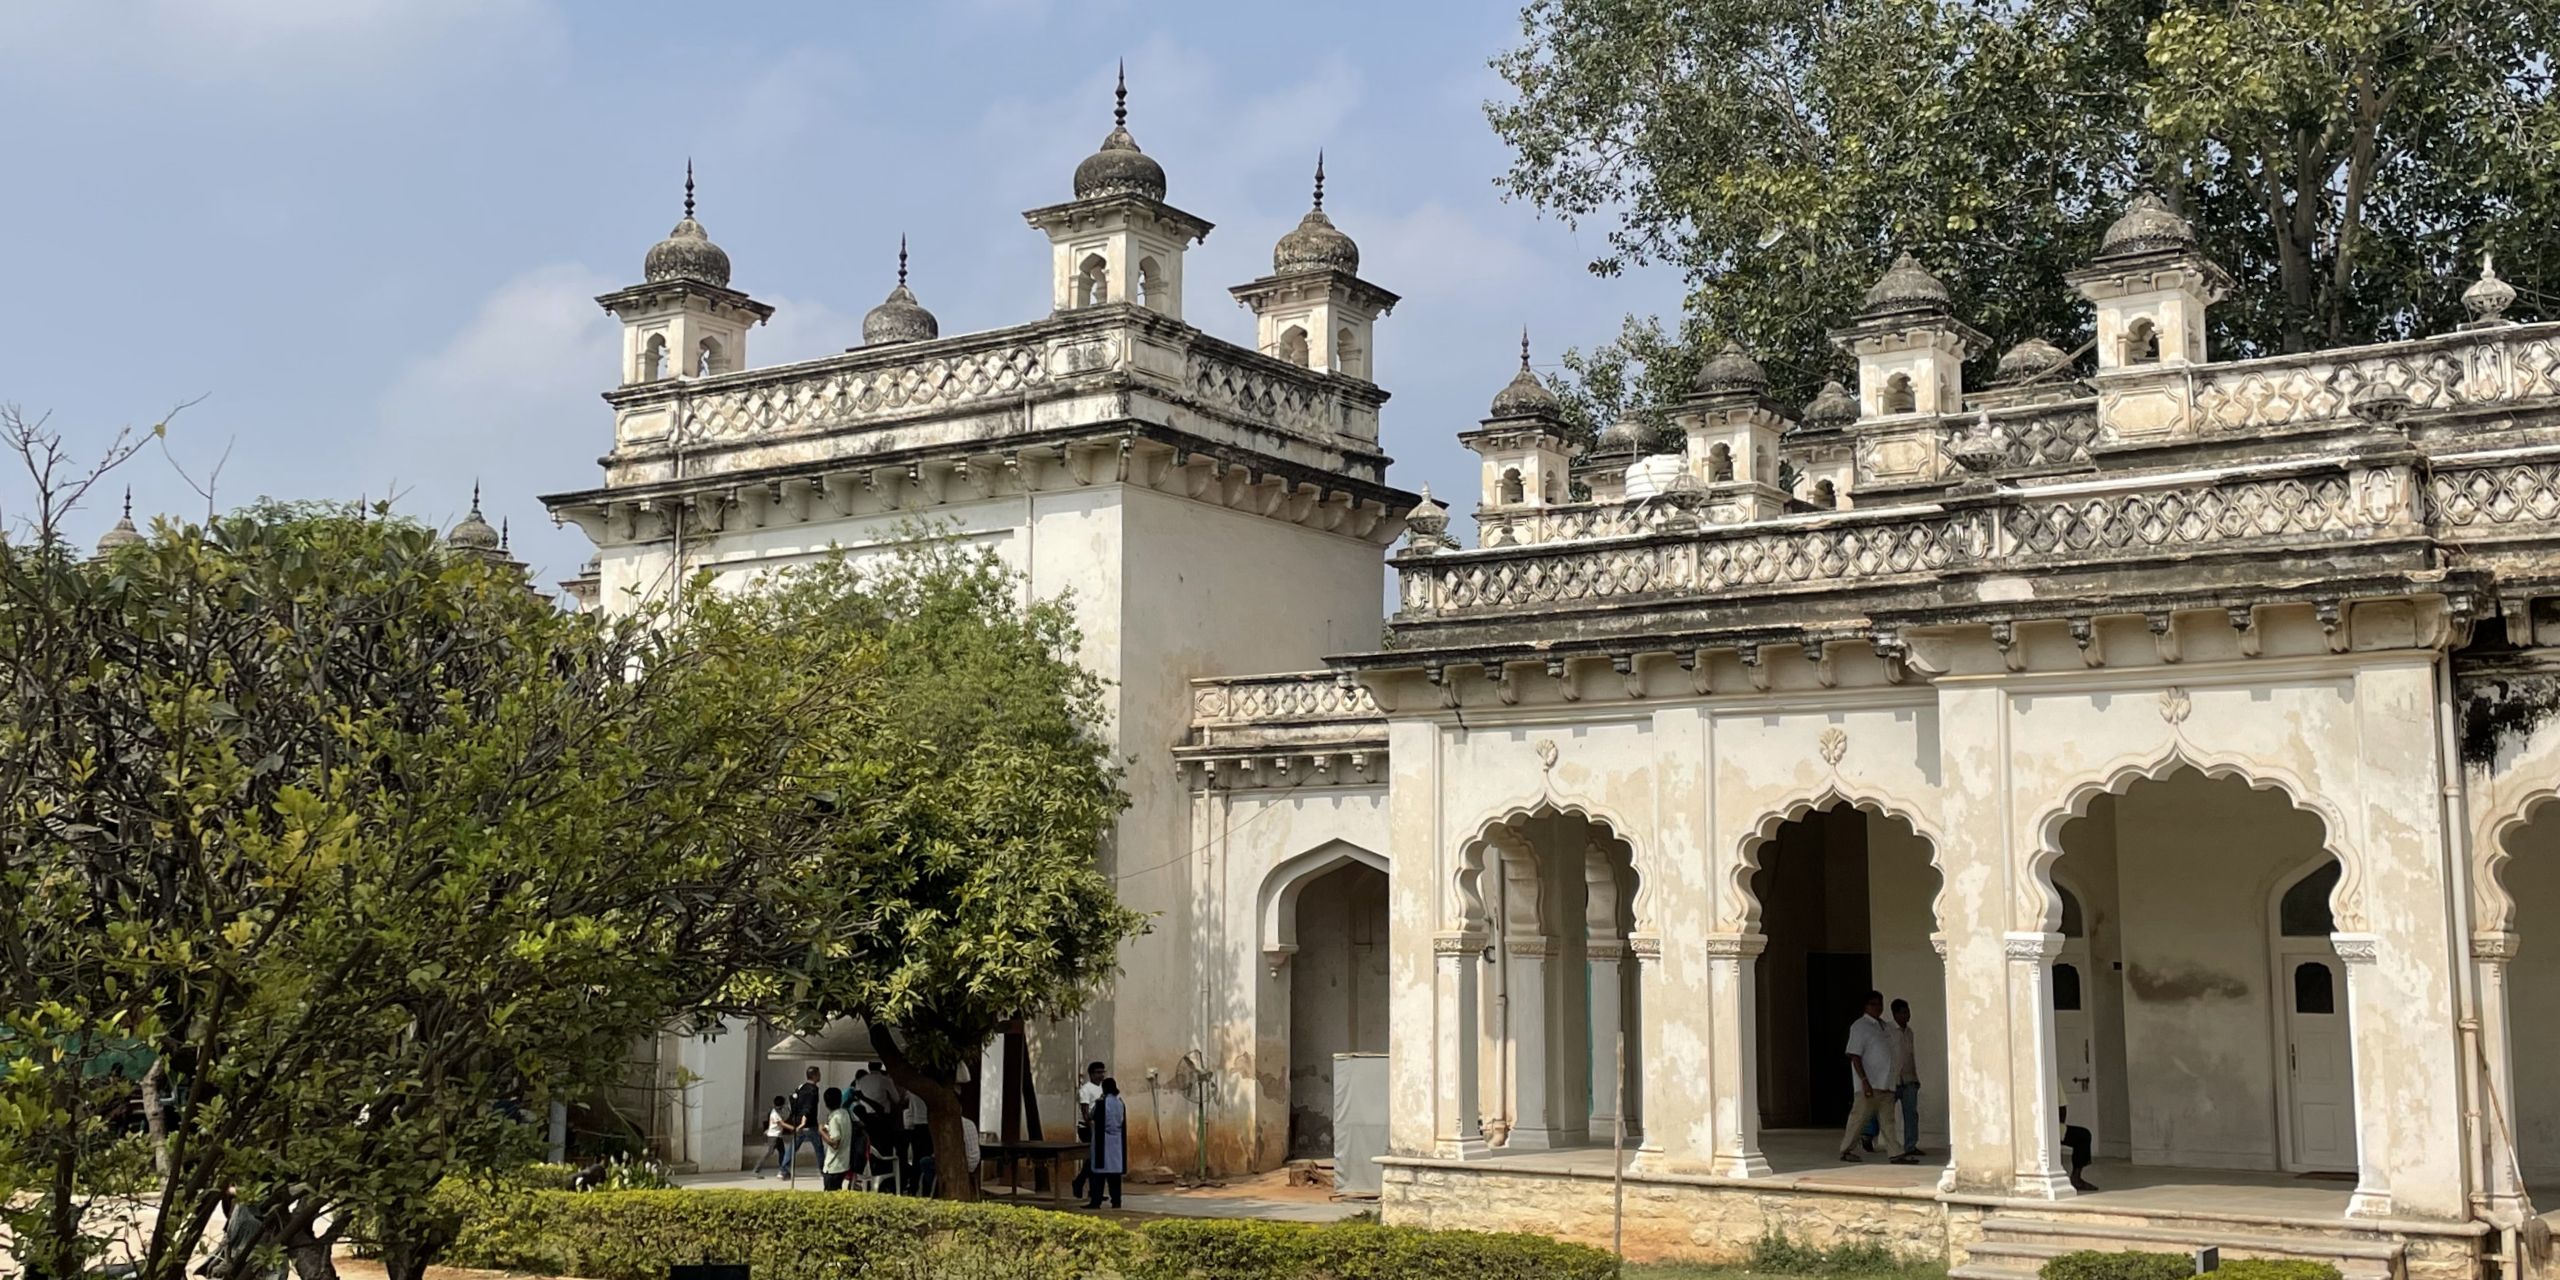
(1471,1147)
(2369,1204)
(2048,1185)
(1749,1164)
(1527,1139)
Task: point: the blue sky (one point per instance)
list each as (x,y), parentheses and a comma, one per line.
(367,233)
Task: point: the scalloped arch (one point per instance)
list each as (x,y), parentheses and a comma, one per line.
(1281,887)
(2039,909)
(1738,909)
(2495,908)
(1468,908)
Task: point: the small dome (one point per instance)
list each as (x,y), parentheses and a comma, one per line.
(2146,227)
(1832,406)
(687,253)
(1118,168)
(1429,517)
(123,534)
(2028,359)
(1524,396)
(1906,286)
(1733,369)
(899,318)
(1316,244)
(474,533)
(1627,435)
(2489,297)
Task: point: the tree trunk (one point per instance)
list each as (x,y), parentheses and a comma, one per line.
(155,1122)
(942,1114)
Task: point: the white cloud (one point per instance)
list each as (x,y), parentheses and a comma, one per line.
(273,43)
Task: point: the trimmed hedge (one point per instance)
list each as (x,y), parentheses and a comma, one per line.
(636,1235)
(2276,1269)
(2094,1264)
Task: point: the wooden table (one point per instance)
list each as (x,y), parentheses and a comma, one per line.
(1048,1152)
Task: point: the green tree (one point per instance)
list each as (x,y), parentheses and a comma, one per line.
(364,846)
(975,893)
(2345,158)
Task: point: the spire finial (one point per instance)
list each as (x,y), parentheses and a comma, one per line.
(475,497)
(902,260)
(1319,179)
(1120,98)
(1524,348)
(688,186)
(502,533)
(128,502)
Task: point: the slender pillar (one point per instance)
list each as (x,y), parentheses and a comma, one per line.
(1533,1124)
(1733,1058)
(1455,959)
(2365,1007)
(1644,1032)
(2491,953)
(2034,1087)
(1608,1074)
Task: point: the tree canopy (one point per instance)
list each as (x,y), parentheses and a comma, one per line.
(2347,160)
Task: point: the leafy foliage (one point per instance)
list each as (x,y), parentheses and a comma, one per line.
(2095,1264)
(2347,160)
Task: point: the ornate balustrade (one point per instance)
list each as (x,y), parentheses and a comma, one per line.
(2450,371)
(1307,697)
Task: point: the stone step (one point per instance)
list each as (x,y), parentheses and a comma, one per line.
(2016,1245)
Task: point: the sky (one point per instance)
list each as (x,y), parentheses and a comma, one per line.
(361,239)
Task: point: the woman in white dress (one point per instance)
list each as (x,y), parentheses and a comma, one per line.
(1110,1155)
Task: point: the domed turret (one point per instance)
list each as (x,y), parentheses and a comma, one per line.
(2031,358)
(123,534)
(1524,396)
(1732,370)
(1315,244)
(1906,286)
(1118,168)
(1627,435)
(474,533)
(2147,226)
(687,253)
(900,318)
(1832,406)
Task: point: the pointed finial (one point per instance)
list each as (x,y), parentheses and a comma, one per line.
(502,533)
(688,186)
(1319,179)
(902,260)
(128,502)
(1524,348)
(1120,98)
(475,497)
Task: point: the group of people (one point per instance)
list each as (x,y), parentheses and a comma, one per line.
(1884,1070)
(872,1127)
(1102,1125)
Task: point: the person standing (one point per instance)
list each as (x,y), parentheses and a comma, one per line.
(1906,1083)
(842,1141)
(1110,1150)
(804,1123)
(1871,1072)
(1088,1092)
(777,1138)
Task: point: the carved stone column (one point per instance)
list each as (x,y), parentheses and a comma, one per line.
(1608,1072)
(2035,1099)
(2365,1006)
(1455,957)
(1733,1059)
(2491,953)
(1644,1031)
(1533,1122)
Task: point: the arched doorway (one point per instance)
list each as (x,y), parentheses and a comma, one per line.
(1337,994)
(2214,998)
(2531,878)
(1558,1060)
(1847,903)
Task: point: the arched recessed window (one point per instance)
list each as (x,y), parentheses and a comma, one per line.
(653,358)
(1093,282)
(1150,284)
(1513,492)
(2315,989)
(1825,494)
(2142,343)
(1346,352)
(1898,396)
(709,358)
(1720,462)
(1762,468)
(2066,988)
(2303,912)
(1293,346)
(1553,493)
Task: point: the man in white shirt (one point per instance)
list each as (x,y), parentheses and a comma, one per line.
(1872,1071)
(1088,1092)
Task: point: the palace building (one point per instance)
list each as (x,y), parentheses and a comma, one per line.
(2173,733)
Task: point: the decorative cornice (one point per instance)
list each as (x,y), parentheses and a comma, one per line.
(2356,948)
(1457,944)
(2021,947)
(1645,947)
(1730,946)
(1532,947)
(2494,946)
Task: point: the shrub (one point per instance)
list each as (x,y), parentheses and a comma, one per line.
(1860,1258)
(1778,1254)
(2275,1269)
(636,1235)
(2093,1264)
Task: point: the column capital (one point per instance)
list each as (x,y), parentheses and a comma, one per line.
(2025,946)
(1645,947)
(1725,946)
(1534,948)
(1938,943)
(1603,949)
(2494,945)
(2356,948)
(1456,944)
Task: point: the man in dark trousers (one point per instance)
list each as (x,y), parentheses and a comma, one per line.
(804,1114)
(1087,1093)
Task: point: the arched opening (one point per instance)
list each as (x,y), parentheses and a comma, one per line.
(709,359)
(1513,491)
(1346,353)
(1825,494)
(2213,1029)
(1337,993)
(1898,397)
(1559,1058)
(2531,878)
(1720,462)
(1293,346)
(1847,902)
(1093,281)
(653,358)
(2142,343)
(1151,284)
